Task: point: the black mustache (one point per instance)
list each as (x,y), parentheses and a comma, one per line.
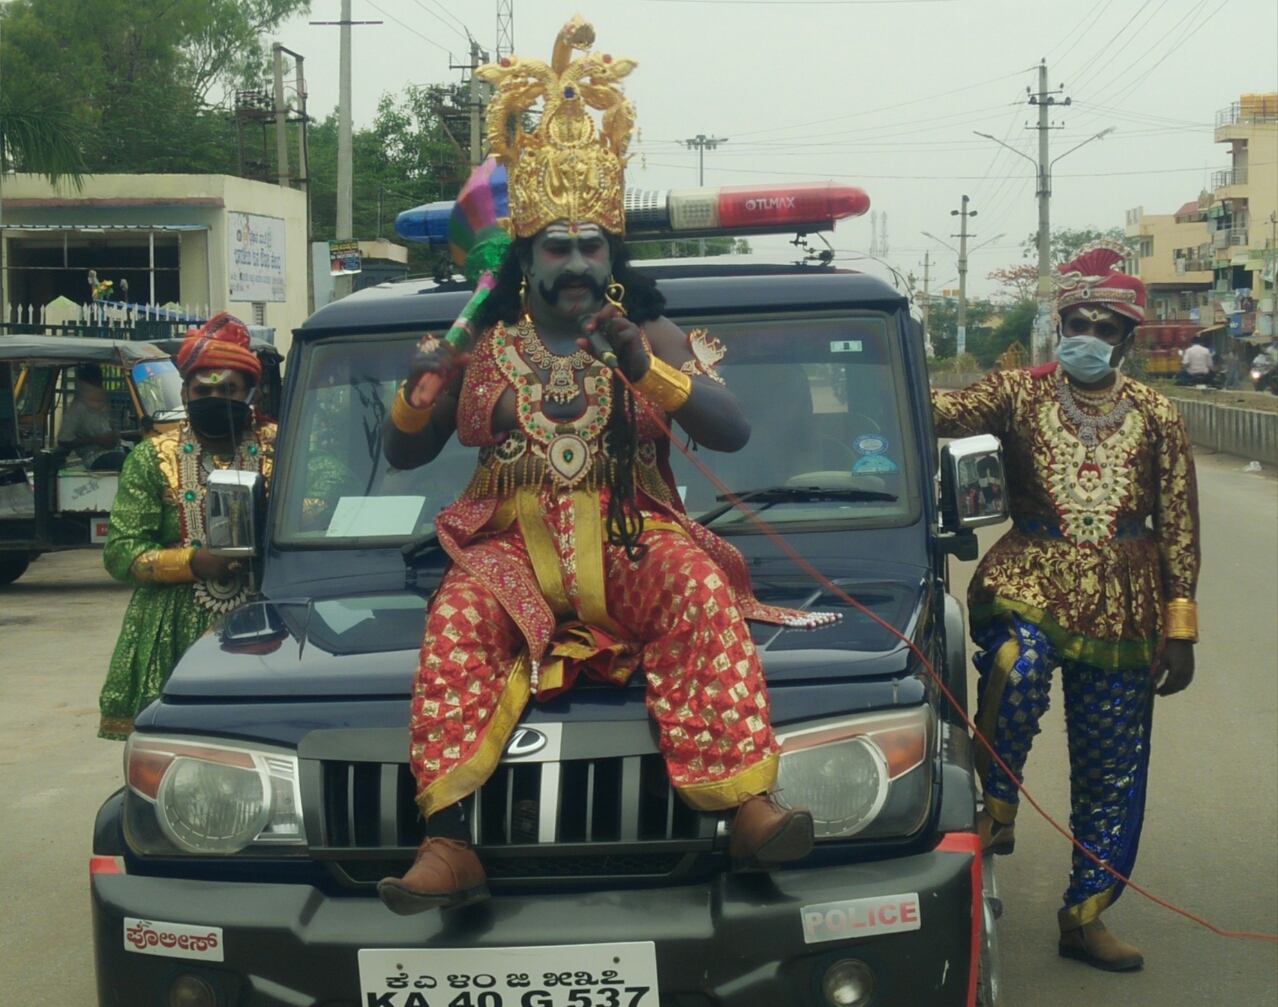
(551,294)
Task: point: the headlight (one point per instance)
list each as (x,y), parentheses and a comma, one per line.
(207,798)
(867,775)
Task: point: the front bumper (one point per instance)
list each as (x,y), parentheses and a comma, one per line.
(734,940)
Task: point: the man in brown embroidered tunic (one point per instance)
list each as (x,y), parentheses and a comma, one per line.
(1097,576)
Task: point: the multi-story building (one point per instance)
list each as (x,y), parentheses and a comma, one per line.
(1243,217)
(1171,253)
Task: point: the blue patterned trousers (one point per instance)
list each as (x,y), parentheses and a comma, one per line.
(1107,718)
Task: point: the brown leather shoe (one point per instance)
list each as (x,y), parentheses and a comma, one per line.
(995,836)
(446,874)
(764,834)
(1093,944)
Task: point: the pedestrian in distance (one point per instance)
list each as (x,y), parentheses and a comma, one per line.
(1096,577)
(156,538)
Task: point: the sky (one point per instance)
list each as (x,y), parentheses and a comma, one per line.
(883,94)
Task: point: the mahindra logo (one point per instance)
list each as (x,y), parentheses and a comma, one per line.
(525,741)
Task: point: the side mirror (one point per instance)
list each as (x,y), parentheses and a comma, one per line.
(233,510)
(973,487)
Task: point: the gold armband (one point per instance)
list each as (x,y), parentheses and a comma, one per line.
(1182,620)
(664,386)
(407,418)
(164,566)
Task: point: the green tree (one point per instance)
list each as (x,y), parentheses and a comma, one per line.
(1014,325)
(136,76)
(942,324)
(402,160)
(45,141)
(1066,241)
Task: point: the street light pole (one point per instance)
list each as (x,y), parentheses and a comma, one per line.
(701,143)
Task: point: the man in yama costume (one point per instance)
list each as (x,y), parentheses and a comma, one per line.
(570,551)
(1083,582)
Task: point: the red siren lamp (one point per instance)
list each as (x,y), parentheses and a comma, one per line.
(785,208)
(742,209)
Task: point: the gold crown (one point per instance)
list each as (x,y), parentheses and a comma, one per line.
(565,169)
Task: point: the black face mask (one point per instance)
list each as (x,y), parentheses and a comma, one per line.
(218,419)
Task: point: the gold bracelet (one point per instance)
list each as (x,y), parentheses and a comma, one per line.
(1182,620)
(408,419)
(164,566)
(664,386)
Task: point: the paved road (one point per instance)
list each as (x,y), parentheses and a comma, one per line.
(1210,843)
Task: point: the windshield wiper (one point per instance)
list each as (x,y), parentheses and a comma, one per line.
(772,495)
(419,546)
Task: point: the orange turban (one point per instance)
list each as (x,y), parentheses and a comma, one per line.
(221,342)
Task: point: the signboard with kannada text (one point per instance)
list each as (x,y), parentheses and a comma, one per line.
(255,257)
(343,258)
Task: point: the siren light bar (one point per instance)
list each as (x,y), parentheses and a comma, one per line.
(803,207)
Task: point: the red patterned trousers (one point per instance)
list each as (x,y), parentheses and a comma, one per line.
(705,685)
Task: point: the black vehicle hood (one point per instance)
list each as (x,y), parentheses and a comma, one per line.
(367,645)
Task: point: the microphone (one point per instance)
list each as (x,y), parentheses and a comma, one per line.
(600,348)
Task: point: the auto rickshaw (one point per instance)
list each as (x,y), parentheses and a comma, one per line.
(49,501)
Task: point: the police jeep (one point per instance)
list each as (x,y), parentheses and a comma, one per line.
(268,789)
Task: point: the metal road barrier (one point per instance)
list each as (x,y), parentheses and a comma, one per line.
(1247,433)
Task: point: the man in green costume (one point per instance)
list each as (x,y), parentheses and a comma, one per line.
(156,535)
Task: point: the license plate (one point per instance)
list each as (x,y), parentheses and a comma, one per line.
(577,975)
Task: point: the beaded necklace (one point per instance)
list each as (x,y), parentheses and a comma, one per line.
(1092,427)
(193,468)
(561,372)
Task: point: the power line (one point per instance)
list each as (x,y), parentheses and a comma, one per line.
(948,178)
(884,108)
(1084,32)
(452,28)
(408,28)
(451,15)
(801,3)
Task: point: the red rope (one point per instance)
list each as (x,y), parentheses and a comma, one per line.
(829,586)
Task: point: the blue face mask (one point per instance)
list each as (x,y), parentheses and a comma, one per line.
(1085,358)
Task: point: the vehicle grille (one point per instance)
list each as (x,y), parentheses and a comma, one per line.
(575,819)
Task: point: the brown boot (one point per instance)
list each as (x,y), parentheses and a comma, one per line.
(995,836)
(764,834)
(1093,944)
(446,874)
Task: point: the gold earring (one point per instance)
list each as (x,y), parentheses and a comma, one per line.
(613,294)
(523,298)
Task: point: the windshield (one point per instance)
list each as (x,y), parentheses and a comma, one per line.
(824,396)
(825,399)
(159,388)
(337,488)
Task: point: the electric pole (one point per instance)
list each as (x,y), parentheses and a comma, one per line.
(345,173)
(505,28)
(1044,99)
(962,214)
(701,143)
(476,106)
(281,119)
